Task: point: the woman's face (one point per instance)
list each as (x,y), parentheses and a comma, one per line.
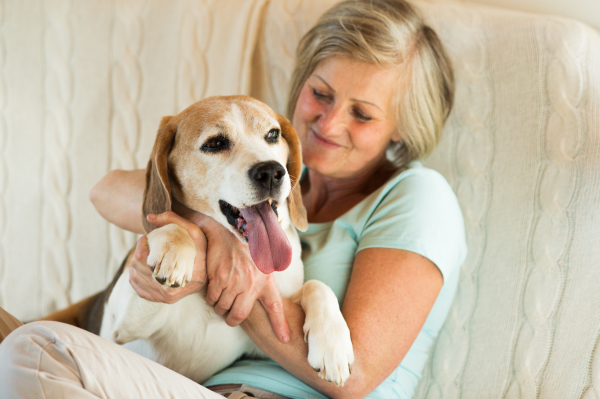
(344,117)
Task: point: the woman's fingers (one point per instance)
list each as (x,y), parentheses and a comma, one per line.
(144,278)
(241,308)
(165,218)
(225,302)
(137,282)
(143,282)
(271,301)
(213,292)
(142,250)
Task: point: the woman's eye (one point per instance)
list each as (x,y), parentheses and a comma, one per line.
(273,136)
(320,95)
(361,116)
(216,144)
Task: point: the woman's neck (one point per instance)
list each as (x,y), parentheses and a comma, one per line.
(326,198)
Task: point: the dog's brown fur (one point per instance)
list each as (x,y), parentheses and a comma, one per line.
(88,312)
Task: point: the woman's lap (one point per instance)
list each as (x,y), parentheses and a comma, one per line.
(50,359)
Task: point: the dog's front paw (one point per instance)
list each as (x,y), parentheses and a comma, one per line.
(330,350)
(172,254)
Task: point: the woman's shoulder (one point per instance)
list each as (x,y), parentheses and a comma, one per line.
(415,173)
(416,210)
(416,186)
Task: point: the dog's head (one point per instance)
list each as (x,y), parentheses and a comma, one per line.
(237,161)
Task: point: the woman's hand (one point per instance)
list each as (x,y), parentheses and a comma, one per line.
(234,281)
(141,277)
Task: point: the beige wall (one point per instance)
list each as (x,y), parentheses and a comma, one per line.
(587,11)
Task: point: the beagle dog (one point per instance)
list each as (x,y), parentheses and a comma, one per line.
(237,161)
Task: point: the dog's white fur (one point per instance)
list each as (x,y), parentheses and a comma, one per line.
(188,336)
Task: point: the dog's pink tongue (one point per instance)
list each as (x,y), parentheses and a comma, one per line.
(269,247)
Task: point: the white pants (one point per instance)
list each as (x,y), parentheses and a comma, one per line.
(51,360)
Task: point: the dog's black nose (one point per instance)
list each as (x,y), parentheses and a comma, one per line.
(267,174)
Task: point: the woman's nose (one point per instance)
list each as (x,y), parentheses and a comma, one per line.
(332,121)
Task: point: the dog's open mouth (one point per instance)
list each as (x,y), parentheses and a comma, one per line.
(235,218)
(269,247)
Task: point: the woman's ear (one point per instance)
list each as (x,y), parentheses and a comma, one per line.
(396,137)
(294,168)
(157,194)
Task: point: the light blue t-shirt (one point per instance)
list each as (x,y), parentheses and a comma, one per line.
(417,211)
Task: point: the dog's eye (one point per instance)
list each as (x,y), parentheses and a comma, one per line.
(273,136)
(216,144)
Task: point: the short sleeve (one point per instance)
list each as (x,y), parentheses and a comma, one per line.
(420,213)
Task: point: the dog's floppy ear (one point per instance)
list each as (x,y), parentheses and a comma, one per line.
(157,194)
(294,167)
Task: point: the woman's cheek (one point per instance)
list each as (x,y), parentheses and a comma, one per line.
(307,107)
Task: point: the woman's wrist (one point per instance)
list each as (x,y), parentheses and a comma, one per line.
(206,223)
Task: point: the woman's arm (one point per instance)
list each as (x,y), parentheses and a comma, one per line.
(118,198)
(390,295)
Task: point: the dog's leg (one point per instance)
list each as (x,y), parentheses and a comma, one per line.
(130,317)
(127,317)
(329,345)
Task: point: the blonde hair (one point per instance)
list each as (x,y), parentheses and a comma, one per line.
(388,33)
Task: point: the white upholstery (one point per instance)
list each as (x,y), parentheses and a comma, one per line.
(83,86)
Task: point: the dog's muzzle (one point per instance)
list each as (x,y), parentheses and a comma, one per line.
(258,224)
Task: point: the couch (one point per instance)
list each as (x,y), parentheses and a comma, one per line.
(83,86)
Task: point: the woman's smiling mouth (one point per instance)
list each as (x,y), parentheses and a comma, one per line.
(323,141)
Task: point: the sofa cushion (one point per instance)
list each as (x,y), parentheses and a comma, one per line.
(83,86)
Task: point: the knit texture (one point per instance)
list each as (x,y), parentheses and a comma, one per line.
(84,84)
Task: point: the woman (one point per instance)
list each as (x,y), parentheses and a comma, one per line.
(387,237)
